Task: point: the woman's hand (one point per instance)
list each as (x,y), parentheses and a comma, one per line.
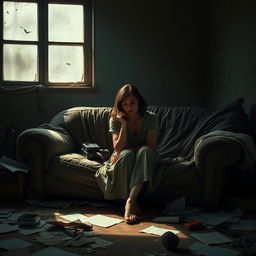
(114,157)
(122,118)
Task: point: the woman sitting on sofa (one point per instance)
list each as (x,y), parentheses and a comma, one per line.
(132,164)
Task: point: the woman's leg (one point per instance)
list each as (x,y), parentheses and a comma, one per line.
(146,161)
(114,179)
(132,209)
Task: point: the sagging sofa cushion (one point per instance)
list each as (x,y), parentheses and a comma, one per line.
(74,168)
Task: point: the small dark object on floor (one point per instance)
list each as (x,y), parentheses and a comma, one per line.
(170,240)
(28,219)
(192,225)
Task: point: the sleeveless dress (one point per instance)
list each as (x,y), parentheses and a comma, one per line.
(132,167)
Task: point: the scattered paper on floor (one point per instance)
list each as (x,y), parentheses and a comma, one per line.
(52,251)
(103,221)
(158,231)
(202,249)
(100,243)
(211,238)
(14,243)
(81,241)
(178,207)
(244,225)
(75,216)
(52,238)
(33,230)
(6,228)
(216,218)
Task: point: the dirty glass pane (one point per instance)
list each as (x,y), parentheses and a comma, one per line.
(20,21)
(66,23)
(20,62)
(66,64)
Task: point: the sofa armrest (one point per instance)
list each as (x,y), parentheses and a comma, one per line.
(212,158)
(37,147)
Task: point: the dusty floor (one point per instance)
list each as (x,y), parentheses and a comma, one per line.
(126,238)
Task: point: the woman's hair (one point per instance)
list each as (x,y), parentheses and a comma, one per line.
(125,91)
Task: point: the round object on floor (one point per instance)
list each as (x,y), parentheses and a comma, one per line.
(170,240)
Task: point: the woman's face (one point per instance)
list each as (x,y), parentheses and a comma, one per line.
(130,105)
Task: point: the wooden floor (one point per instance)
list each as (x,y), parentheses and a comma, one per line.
(127,239)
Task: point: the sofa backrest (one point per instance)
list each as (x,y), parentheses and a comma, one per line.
(86,124)
(179,127)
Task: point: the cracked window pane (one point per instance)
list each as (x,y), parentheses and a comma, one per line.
(66,23)
(20,21)
(66,64)
(20,62)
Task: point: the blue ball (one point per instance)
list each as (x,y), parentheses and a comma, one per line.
(170,240)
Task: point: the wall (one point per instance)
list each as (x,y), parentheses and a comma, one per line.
(232,52)
(158,46)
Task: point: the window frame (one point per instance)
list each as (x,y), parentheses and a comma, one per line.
(43,45)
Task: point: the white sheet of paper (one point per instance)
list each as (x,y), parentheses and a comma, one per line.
(103,221)
(14,243)
(99,243)
(6,211)
(75,216)
(215,218)
(234,220)
(202,249)
(158,231)
(211,238)
(52,251)
(13,165)
(5,228)
(178,207)
(52,238)
(244,225)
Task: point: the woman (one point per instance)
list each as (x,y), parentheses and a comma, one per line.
(130,168)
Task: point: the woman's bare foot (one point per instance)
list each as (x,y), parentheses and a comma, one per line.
(131,208)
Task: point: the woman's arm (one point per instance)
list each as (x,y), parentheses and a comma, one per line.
(119,143)
(151,138)
(120,139)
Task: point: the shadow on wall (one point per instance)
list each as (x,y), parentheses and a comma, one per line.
(8,142)
(252,120)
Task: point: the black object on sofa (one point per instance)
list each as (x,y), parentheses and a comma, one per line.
(57,168)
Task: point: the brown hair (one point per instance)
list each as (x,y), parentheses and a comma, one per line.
(125,91)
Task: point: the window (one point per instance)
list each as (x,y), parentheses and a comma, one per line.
(46,42)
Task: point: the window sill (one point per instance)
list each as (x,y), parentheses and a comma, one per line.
(29,88)
(71,88)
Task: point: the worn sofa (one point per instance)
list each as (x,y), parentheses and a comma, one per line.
(57,167)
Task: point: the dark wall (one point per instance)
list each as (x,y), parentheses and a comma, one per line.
(158,46)
(232,52)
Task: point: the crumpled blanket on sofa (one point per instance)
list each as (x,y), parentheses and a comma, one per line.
(245,140)
(180,127)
